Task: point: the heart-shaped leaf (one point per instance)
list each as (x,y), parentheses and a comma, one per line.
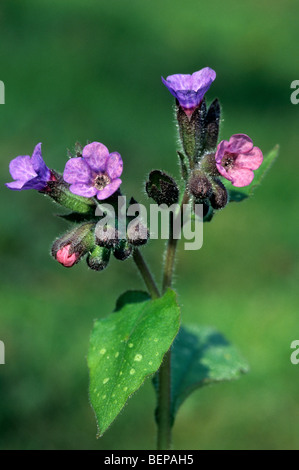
(201,356)
(126,347)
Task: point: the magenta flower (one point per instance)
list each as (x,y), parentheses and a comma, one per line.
(189,90)
(236,158)
(96,173)
(29,172)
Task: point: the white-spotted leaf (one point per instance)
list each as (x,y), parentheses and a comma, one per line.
(126,347)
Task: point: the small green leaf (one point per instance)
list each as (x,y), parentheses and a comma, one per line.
(239,194)
(201,356)
(126,347)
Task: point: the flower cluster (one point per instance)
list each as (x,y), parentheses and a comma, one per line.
(93,175)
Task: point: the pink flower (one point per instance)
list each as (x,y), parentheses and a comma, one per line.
(236,158)
(63,256)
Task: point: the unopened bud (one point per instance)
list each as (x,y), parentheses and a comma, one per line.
(200,185)
(64,257)
(219,197)
(99,258)
(137,233)
(106,235)
(162,188)
(123,250)
(70,248)
(208,165)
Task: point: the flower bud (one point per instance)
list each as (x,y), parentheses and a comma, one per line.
(64,257)
(208,165)
(137,233)
(99,258)
(199,185)
(106,236)
(123,250)
(70,248)
(219,197)
(162,188)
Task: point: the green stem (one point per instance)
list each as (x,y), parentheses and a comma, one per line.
(164,400)
(164,375)
(146,274)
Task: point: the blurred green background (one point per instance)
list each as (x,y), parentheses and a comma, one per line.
(78,71)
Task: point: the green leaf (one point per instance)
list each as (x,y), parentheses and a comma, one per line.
(126,347)
(239,194)
(201,356)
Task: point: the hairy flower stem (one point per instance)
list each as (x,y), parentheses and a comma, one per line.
(164,375)
(164,400)
(146,274)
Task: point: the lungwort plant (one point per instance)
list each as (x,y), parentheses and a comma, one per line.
(144,337)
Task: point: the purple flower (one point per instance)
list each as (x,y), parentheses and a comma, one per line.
(29,172)
(236,158)
(189,90)
(96,173)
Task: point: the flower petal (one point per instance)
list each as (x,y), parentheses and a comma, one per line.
(202,80)
(15,185)
(241,176)
(170,88)
(114,166)
(223,172)
(251,160)
(38,163)
(96,154)
(221,148)
(83,189)
(109,189)
(77,171)
(240,143)
(21,168)
(178,81)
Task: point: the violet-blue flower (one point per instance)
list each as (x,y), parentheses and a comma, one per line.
(29,172)
(189,90)
(96,173)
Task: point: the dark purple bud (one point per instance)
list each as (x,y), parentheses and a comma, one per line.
(107,236)
(162,188)
(137,233)
(123,250)
(219,197)
(199,185)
